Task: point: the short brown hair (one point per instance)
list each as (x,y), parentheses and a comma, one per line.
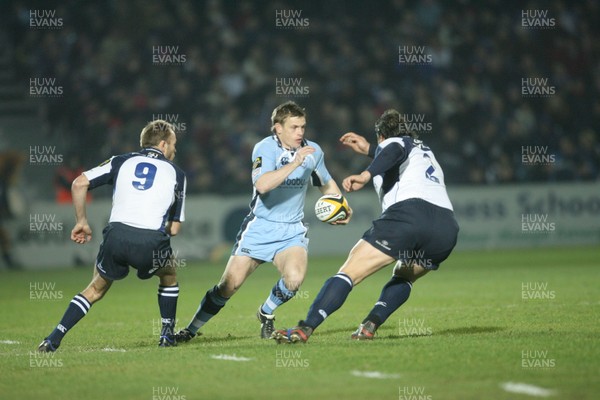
(154,132)
(284,111)
(392,124)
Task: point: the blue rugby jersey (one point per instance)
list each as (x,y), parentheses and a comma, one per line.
(285,203)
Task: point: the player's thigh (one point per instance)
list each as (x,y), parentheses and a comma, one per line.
(237,270)
(111,260)
(364,260)
(292,264)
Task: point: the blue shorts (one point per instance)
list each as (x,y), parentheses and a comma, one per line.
(262,239)
(124,246)
(415,231)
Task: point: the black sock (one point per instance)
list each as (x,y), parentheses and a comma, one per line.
(167,304)
(210,306)
(330,298)
(393,295)
(77,309)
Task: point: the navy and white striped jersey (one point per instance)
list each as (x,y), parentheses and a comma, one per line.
(405,168)
(149,190)
(285,203)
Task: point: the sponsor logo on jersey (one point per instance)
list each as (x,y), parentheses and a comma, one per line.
(294,182)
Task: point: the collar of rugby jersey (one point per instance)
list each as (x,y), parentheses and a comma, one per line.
(153,153)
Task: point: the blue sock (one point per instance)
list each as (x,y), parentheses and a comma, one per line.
(209,307)
(77,309)
(331,297)
(393,295)
(167,304)
(279,295)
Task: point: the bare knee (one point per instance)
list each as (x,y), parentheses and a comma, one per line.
(228,286)
(410,271)
(168,277)
(94,294)
(293,277)
(293,283)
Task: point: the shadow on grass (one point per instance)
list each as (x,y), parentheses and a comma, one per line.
(465,330)
(382,334)
(199,340)
(470,330)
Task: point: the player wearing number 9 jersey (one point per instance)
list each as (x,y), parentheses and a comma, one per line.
(416,230)
(148,208)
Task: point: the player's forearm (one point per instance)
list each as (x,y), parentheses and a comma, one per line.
(79,190)
(173,227)
(270,180)
(330,187)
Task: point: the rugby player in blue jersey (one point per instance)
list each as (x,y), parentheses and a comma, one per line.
(284,165)
(148,208)
(415,232)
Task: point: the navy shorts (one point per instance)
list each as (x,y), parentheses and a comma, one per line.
(124,246)
(415,231)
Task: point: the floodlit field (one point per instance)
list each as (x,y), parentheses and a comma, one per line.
(488,325)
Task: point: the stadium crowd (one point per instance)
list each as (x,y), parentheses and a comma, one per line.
(217,69)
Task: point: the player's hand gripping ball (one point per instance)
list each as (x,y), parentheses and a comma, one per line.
(331,207)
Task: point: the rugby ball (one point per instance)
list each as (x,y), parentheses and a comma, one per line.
(331,207)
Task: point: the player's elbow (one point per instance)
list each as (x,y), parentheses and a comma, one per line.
(80,183)
(262,187)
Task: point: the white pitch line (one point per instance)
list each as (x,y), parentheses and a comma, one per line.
(114,350)
(374,375)
(525,388)
(228,357)
(9,342)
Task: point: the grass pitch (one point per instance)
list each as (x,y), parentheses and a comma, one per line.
(484,320)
